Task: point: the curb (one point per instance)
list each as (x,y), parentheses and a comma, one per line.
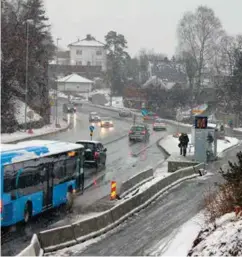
(162,148)
(37,136)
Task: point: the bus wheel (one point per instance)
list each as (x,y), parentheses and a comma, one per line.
(27,212)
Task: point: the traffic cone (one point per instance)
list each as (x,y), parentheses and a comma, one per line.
(113,194)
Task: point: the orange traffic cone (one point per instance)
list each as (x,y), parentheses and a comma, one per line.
(113,194)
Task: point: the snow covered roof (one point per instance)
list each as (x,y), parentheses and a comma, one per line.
(88,41)
(74,78)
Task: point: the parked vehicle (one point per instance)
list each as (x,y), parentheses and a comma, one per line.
(159,125)
(69,108)
(36,176)
(95,153)
(94,117)
(125,113)
(139,133)
(106,122)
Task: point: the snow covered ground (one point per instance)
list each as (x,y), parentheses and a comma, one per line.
(19,107)
(224,240)
(181,240)
(20,135)
(170,143)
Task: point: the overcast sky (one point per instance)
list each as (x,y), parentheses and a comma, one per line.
(147,24)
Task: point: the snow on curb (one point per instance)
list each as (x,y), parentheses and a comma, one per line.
(20,136)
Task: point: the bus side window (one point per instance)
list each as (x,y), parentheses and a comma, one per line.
(71,164)
(29,179)
(59,171)
(9,182)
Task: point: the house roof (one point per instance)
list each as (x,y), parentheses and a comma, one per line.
(74,78)
(88,41)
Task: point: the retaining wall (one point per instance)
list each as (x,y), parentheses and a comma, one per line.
(136,180)
(176,165)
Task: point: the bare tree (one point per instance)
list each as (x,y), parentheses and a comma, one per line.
(190,68)
(198,34)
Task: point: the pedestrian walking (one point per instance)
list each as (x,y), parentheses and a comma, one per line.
(183,143)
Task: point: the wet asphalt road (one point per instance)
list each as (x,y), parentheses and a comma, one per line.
(142,234)
(123,161)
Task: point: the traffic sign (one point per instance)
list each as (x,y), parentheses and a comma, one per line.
(91,128)
(30,115)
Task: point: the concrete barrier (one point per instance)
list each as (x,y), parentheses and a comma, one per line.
(57,238)
(120,210)
(36,245)
(84,228)
(33,249)
(136,180)
(176,165)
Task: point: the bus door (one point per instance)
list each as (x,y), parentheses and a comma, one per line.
(48,185)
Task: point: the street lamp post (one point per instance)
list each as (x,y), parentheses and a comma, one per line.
(26,72)
(57,125)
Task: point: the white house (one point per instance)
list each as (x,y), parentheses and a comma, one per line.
(88,51)
(74,83)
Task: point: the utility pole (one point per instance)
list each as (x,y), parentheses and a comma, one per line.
(26,73)
(57,125)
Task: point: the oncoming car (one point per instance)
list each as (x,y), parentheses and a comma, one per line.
(159,125)
(139,133)
(69,108)
(106,122)
(94,117)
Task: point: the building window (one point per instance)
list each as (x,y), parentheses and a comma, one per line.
(79,63)
(99,63)
(88,63)
(78,52)
(98,52)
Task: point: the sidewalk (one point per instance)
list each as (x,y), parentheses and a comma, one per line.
(170,144)
(20,135)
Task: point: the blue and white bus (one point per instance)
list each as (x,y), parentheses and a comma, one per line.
(38,175)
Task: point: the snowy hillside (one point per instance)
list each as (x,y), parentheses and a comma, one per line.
(223,239)
(19,107)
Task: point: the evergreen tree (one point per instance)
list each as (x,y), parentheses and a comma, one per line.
(117,61)
(15,15)
(233,176)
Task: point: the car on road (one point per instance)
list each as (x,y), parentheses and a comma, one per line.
(94,117)
(106,123)
(69,108)
(151,116)
(76,100)
(125,113)
(94,153)
(159,125)
(139,133)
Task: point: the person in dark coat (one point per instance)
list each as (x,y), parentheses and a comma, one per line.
(184,140)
